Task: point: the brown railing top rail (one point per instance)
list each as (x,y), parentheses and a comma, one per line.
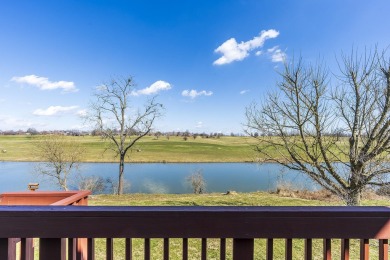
(77,196)
(62,198)
(188,222)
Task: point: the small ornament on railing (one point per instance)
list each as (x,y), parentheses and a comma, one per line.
(33,186)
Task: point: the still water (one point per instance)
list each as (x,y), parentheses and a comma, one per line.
(165,178)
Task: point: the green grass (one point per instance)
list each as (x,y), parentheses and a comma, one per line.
(217,199)
(150,149)
(211,199)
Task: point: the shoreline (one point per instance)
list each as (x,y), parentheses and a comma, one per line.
(143,162)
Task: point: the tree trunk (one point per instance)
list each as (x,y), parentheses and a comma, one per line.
(63,184)
(120,179)
(353,198)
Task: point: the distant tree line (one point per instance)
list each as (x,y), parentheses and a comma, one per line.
(33,131)
(96,132)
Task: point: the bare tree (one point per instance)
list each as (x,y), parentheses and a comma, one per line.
(298,120)
(197,182)
(95,184)
(114,119)
(60,157)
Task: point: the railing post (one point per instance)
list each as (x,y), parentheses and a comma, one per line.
(243,249)
(147,249)
(52,248)
(4,242)
(364,249)
(288,249)
(91,249)
(109,249)
(327,249)
(204,249)
(129,249)
(383,249)
(344,249)
(270,249)
(222,249)
(71,248)
(81,249)
(308,249)
(185,248)
(27,248)
(166,248)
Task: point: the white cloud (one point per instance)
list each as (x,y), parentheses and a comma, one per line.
(101,87)
(242,92)
(8,123)
(44,83)
(82,113)
(53,110)
(258,53)
(80,127)
(153,89)
(194,93)
(233,51)
(277,55)
(199,124)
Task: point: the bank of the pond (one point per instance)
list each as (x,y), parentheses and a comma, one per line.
(221,199)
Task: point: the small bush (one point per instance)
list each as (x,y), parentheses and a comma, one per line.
(197,182)
(112,186)
(384,191)
(95,184)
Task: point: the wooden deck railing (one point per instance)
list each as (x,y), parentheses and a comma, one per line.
(54,198)
(58,227)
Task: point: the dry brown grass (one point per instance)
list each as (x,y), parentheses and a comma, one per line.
(321,195)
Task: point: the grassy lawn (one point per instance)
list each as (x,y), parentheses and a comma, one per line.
(208,199)
(217,199)
(148,149)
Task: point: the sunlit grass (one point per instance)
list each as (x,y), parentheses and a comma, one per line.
(218,199)
(148,149)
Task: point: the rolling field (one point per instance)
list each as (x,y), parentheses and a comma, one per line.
(148,149)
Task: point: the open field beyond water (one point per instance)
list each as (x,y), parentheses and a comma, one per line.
(148,149)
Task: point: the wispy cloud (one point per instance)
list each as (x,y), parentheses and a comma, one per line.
(194,93)
(53,110)
(277,55)
(233,51)
(9,122)
(199,124)
(153,89)
(82,113)
(242,92)
(44,83)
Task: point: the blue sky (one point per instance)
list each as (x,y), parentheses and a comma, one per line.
(206,60)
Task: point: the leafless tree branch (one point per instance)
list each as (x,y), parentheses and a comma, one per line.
(298,122)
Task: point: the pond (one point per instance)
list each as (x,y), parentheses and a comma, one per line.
(165,177)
